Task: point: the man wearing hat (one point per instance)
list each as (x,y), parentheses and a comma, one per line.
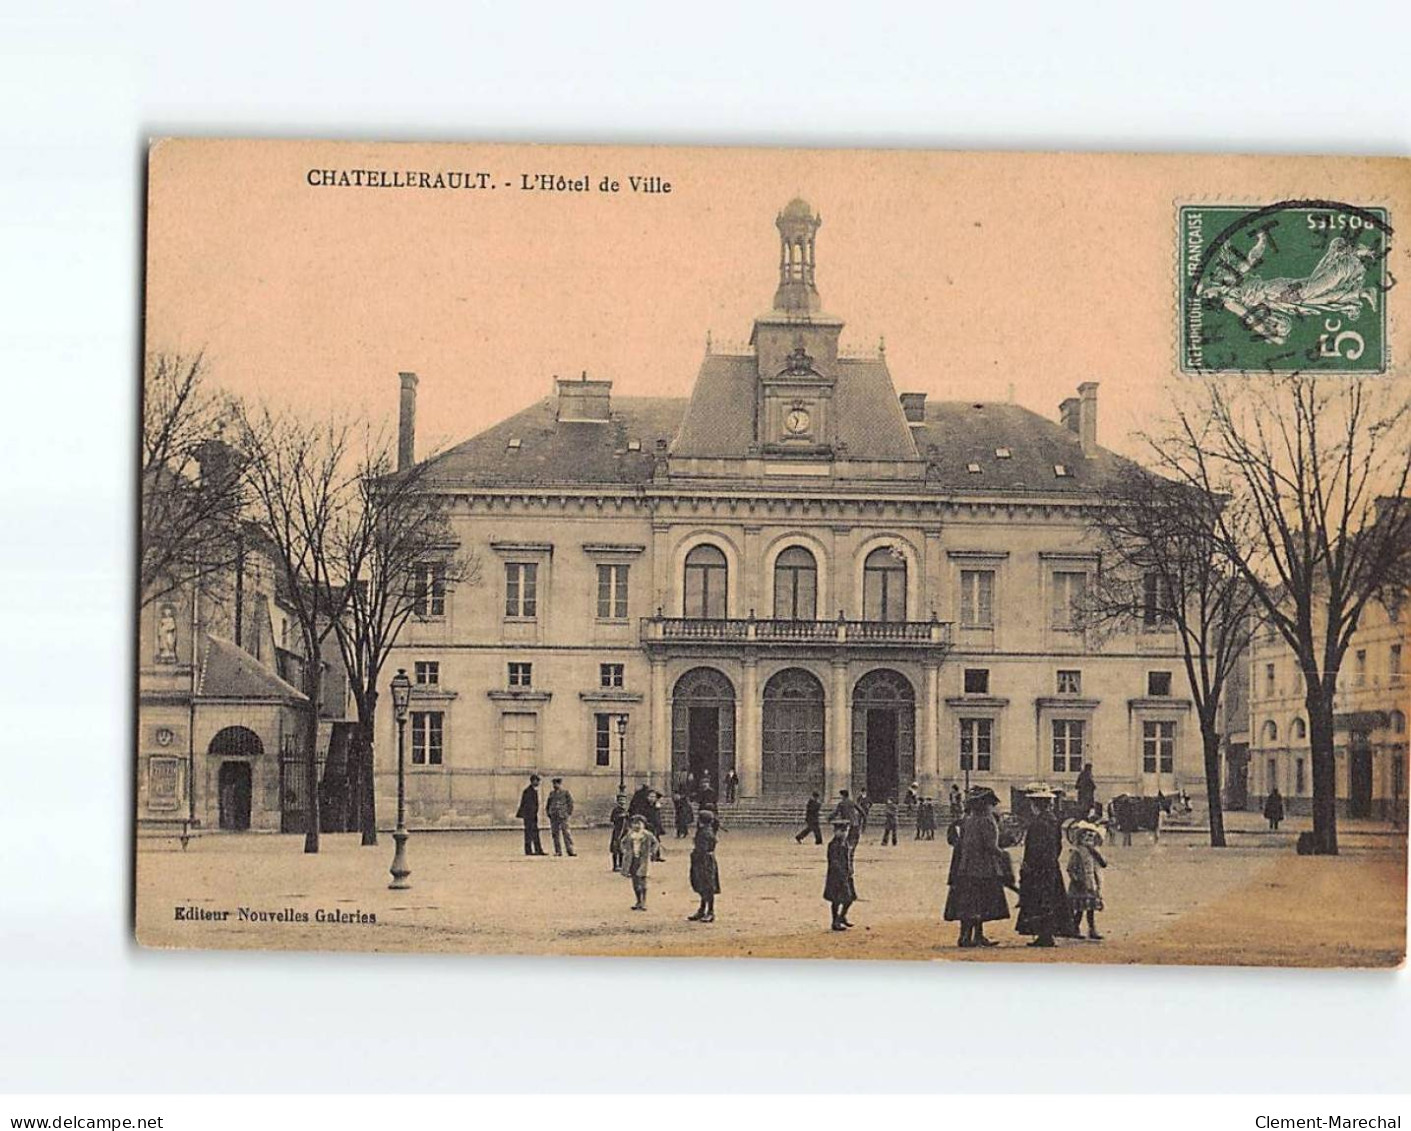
(846,810)
(838,887)
(559,807)
(528,812)
(811,813)
(1043,900)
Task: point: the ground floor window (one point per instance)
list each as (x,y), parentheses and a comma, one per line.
(1298,781)
(976,744)
(1068,745)
(520,737)
(1158,748)
(604,734)
(426,738)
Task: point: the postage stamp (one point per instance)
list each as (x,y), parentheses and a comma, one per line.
(1296,285)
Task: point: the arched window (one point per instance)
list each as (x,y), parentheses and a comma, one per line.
(1398,722)
(707,582)
(884,585)
(1271,730)
(795,585)
(1298,730)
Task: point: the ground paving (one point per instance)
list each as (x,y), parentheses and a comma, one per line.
(1179,901)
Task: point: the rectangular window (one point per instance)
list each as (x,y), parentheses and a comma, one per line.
(1156,600)
(602,740)
(427,672)
(1269,681)
(429,589)
(610,675)
(1069,588)
(1394,663)
(977,681)
(1298,775)
(1360,668)
(976,744)
(1158,683)
(521,738)
(1070,683)
(612,592)
(977,598)
(1067,745)
(521,589)
(1158,748)
(521,675)
(426,738)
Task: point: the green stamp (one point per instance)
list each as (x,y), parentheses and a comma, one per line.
(1296,286)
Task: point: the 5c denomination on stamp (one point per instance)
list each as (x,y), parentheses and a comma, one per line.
(1297,285)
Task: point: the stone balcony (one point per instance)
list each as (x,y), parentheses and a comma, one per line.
(922,636)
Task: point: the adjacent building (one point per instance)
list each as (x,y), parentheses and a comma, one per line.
(796,573)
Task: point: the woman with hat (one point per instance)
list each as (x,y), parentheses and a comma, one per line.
(838,888)
(1043,900)
(705,872)
(977,870)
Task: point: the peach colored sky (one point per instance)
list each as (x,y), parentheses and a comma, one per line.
(982,270)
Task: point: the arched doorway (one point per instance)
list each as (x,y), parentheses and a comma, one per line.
(883,734)
(702,727)
(236,747)
(793,733)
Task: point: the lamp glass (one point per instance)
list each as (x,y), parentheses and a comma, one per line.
(621,725)
(401,693)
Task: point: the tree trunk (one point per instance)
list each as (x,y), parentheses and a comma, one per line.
(367,801)
(1319,702)
(1210,743)
(313,679)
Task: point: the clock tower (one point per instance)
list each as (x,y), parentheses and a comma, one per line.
(796,347)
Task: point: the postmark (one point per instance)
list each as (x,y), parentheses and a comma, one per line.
(1299,285)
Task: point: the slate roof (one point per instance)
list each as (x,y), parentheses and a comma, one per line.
(230,672)
(718,422)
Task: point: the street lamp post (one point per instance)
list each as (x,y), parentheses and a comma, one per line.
(621,753)
(401,700)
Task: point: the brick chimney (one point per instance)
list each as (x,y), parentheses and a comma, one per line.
(1087,416)
(584,401)
(913,407)
(406,423)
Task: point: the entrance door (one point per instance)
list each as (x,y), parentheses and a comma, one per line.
(1359,778)
(882,776)
(704,744)
(234,792)
(793,734)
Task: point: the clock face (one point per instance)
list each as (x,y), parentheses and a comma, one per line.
(796,422)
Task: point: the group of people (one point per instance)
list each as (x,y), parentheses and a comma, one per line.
(635,843)
(981,871)
(558,806)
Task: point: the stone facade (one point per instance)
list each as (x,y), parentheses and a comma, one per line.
(797,573)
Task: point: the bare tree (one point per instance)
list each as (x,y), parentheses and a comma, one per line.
(191,478)
(1315,471)
(1163,568)
(399,558)
(303,492)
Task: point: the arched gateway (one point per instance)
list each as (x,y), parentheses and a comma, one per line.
(702,727)
(237,747)
(883,734)
(793,733)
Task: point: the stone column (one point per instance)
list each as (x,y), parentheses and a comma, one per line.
(928,756)
(656,759)
(837,757)
(748,737)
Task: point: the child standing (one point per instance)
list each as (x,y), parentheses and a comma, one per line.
(705,872)
(838,888)
(890,816)
(618,817)
(1085,864)
(639,848)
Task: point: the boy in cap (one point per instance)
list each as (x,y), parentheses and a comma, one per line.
(639,848)
(838,887)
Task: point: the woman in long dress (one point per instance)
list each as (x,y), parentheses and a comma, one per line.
(705,872)
(978,869)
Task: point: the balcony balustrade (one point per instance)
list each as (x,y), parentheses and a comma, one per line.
(752,631)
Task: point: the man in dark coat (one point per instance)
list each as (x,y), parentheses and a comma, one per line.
(641,803)
(684,816)
(847,810)
(864,806)
(732,786)
(811,814)
(1087,792)
(528,812)
(1274,808)
(838,887)
(1043,900)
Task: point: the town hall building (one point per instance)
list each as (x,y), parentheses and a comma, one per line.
(797,574)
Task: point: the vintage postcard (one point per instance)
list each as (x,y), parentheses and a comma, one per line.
(774,553)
